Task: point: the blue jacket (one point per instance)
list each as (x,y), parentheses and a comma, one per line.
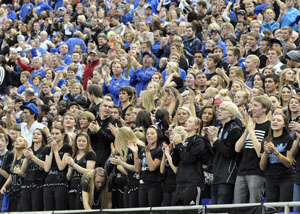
(190,47)
(25,9)
(41,7)
(140,78)
(289,18)
(127,16)
(114,87)
(259,8)
(155,47)
(272,26)
(75,41)
(12,15)
(67,59)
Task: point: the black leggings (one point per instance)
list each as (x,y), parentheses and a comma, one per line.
(15,201)
(150,196)
(279,190)
(131,197)
(32,199)
(75,202)
(56,198)
(167,198)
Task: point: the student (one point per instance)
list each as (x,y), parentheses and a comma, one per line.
(128,146)
(84,160)
(249,185)
(190,178)
(150,192)
(125,96)
(96,193)
(56,184)
(24,79)
(6,158)
(16,176)
(271,83)
(33,167)
(277,160)
(223,142)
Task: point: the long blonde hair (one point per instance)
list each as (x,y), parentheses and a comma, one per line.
(15,151)
(123,135)
(90,178)
(147,100)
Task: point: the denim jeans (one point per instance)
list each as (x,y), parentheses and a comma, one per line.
(249,189)
(296,196)
(222,193)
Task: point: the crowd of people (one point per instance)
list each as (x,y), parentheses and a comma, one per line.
(144,103)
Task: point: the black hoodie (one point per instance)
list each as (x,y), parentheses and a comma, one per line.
(188,159)
(225,157)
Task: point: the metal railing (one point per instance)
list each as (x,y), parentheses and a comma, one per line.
(196,209)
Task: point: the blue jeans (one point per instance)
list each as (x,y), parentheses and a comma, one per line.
(222,193)
(296,196)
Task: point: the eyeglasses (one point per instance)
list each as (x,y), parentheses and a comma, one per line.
(222,109)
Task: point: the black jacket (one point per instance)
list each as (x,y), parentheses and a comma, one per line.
(101,140)
(225,157)
(189,162)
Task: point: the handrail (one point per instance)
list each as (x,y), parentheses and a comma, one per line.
(286,205)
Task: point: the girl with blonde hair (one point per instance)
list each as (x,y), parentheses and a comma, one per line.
(155,89)
(226,30)
(167,167)
(173,76)
(147,100)
(128,145)
(285,94)
(16,176)
(287,77)
(95,190)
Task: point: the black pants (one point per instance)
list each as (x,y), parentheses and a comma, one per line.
(15,201)
(186,196)
(75,201)
(279,190)
(150,196)
(32,199)
(131,197)
(56,198)
(167,198)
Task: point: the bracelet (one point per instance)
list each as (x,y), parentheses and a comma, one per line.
(276,154)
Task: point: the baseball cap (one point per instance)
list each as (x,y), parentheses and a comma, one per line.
(293,55)
(9,6)
(215,31)
(149,54)
(32,107)
(94,51)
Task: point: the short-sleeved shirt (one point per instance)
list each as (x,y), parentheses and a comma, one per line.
(56,177)
(152,178)
(76,177)
(35,175)
(17,180)
(275,169)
